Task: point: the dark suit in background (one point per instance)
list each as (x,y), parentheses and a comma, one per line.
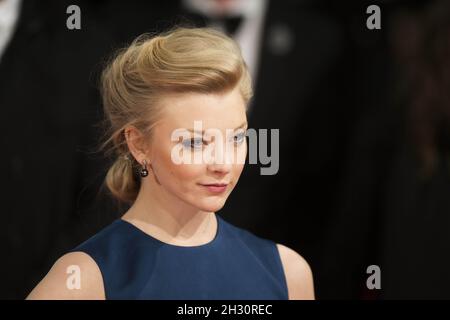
(49,103)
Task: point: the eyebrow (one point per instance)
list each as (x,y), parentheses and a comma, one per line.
(203,131)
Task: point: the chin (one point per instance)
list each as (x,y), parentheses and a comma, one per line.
(211,205)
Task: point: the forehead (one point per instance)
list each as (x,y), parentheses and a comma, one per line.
(221,111)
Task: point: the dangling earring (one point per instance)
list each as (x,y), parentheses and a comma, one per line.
(144,171)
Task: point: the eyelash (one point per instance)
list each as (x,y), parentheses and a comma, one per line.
(188,143)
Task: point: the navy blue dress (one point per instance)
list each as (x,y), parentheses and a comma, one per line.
(236,264)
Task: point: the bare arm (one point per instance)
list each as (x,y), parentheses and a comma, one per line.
(298,274)
(75,276)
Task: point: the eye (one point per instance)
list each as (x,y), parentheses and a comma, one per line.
(194,143)
(239,138)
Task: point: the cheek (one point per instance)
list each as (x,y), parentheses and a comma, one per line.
(179,175)
(238,167)
(237,170)
(241,154)
(186,173)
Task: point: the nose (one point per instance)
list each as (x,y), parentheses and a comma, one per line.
(220,168)
(221,160)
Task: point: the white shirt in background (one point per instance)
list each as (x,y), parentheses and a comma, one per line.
(9,14)
(249,33)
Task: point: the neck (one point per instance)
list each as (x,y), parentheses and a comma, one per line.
(159,212)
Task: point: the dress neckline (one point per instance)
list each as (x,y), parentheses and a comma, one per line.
(152,238)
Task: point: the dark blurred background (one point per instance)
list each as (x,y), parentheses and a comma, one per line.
(364,174)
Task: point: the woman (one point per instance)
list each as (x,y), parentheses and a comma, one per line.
(170,244)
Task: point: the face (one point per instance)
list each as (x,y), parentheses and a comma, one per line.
(214,156)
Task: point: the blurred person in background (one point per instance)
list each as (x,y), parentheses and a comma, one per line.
(48,105)
(393,207)
(52,177)
(415,203)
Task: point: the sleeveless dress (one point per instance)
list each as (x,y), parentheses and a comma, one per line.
(235,265)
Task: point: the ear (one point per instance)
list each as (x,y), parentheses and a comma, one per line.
(137,144)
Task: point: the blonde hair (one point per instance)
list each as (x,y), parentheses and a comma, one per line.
(182,60)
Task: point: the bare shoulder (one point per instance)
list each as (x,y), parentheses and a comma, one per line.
(298,274)
(73,276)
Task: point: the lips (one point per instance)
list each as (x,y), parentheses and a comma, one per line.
(216,187)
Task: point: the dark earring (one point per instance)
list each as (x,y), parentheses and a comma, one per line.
(144,171)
